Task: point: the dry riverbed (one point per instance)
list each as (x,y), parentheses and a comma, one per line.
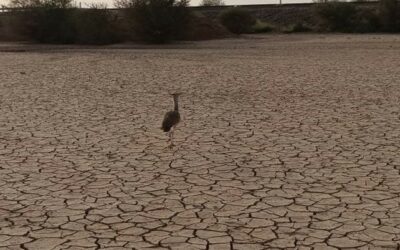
(287,141)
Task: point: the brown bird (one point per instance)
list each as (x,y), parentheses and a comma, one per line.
(171,119)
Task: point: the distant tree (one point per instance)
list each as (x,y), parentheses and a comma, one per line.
(157,21)
(46,21)
(41,3)
(335,16)
(212,3)
(97,25)
(23,3)
(389,15)
(122,3)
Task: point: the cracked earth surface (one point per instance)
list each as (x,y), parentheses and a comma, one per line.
(287,142)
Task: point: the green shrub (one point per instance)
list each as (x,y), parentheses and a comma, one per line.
(262,27)
(366,21)
(45,21)
(389,15)
(298,27)
(58,22)
(335,16)
(97,25)
(237,20)
(48,24)
(25,4)
(158,21)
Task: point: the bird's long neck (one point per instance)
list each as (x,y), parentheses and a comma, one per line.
(176,105)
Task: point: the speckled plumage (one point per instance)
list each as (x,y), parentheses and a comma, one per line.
(171,118)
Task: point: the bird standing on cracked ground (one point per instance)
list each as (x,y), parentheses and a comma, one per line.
(171,119)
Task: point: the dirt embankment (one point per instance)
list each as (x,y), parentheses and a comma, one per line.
(278,14)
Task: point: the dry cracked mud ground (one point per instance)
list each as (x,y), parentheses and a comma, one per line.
(287,142)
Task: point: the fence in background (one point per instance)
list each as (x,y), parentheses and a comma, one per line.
(4,9)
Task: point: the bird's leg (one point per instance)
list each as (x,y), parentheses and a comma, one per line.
(171,137)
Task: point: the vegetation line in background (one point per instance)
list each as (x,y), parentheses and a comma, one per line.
(348,17)
(162,21)
(212,3)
